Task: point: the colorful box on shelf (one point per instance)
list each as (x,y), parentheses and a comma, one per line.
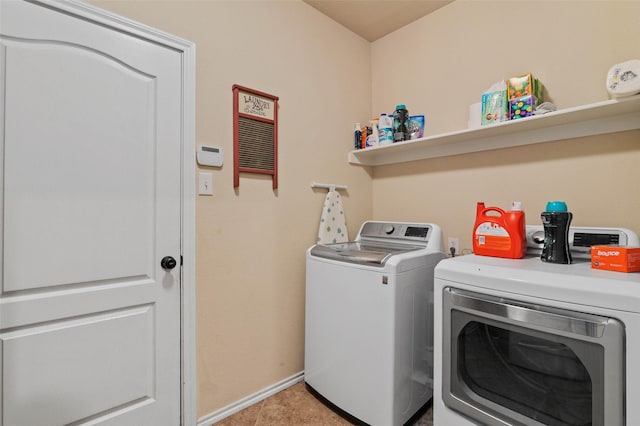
(524,85)
(494,107)
(522,107)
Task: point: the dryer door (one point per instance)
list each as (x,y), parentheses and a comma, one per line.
(511,363)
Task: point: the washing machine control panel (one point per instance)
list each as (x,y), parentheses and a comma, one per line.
(417,231)
(410,232)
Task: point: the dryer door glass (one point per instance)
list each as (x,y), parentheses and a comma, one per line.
(510,362)
(538,377)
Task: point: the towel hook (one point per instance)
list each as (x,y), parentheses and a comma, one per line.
(330,186)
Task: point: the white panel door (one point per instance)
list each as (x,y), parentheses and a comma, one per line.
(90,148)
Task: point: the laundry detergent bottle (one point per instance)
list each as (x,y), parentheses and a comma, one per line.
(555,221)
(401,123)
(385,130)
(500,233)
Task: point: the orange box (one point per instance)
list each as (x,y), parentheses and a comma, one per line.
(615,258)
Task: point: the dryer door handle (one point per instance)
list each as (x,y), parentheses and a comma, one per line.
(529,314)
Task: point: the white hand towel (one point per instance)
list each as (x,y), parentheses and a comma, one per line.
(333,225)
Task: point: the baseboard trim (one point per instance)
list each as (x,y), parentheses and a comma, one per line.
(243,403)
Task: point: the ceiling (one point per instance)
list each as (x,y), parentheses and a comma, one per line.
(372,19)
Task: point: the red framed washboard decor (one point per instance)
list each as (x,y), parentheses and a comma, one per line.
(255,134)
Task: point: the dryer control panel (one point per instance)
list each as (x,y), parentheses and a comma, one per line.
(582,238)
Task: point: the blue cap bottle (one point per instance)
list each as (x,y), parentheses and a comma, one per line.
(400,123)
(556,220)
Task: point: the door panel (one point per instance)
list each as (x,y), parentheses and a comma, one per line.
(75,354)
(91,151)
(85,169)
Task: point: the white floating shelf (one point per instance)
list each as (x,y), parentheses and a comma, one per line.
(593,119)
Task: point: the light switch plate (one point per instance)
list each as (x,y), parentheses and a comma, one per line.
(205,183)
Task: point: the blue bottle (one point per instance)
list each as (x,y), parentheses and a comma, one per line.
(357,137)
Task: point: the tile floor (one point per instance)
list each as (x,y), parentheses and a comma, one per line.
(297,406)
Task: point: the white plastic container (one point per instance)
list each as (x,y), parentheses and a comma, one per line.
(373,138)
(624,79)
(386,130)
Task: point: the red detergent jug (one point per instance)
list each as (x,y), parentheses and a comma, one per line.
(500,234)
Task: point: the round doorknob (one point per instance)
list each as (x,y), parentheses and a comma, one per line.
(168,262)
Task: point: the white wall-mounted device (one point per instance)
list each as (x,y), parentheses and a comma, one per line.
(208,155)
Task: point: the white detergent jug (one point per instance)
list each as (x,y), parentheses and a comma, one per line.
(385,131)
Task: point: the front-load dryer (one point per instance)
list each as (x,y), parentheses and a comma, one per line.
(369,320)
(525,342)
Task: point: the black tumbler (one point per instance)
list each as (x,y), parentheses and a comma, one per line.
(556,220)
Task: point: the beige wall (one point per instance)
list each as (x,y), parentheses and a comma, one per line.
(458,52)
(251,241)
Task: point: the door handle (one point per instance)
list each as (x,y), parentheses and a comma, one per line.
(168,263)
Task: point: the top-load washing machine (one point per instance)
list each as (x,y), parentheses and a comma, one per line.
(369,320)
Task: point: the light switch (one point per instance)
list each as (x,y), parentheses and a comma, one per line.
(205,183)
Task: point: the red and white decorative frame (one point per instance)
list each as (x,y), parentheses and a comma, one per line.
(255,134)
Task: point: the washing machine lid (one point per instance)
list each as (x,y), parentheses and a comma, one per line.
(365,253)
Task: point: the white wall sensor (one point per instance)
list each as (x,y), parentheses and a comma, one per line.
(208,155)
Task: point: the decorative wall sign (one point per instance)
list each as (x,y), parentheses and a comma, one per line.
(255,134)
